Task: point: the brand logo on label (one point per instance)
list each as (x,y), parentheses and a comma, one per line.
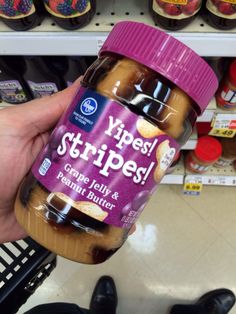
(89,106)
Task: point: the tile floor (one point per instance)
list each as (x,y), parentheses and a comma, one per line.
(183,247)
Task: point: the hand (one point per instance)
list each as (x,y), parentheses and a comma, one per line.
(24,130)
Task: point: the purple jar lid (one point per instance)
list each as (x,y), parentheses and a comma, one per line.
(165,55)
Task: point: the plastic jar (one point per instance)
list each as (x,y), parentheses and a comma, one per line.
(206,153)
(115,142)
(174,14)
(228,152)
(220,14)
(71,14)
(226,94)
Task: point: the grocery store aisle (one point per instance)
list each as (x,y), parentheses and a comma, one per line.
(183,247)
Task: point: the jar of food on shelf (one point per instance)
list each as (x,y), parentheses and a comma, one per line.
(174,14)
(71,15)
(206,153)
(220,14)
(136,107)
(226,94)
(21,15)
(228,152)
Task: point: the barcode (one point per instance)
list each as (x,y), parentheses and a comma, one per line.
(46,164)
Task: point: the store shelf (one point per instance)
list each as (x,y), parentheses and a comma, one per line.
(209,112)
(49,39)
(177,177)
(215,176)
(192,142)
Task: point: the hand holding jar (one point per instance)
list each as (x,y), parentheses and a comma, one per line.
(136,107)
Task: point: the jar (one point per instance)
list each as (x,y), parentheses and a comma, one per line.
(136,106)
(174,14)
(174,163)
(21,15)
(220,14)
(71,14)
(228,152)
(226,94)
(206,153)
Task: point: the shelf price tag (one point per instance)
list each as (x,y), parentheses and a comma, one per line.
(224,125)
(193,185)
(222,132)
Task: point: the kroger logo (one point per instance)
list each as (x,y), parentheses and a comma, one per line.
(89,106)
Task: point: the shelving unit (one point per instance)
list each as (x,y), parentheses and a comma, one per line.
(215,176)
(47,38)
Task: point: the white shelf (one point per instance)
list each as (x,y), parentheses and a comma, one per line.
(209,112)
(215,176)
(177,177)
(49,39)
(192,142)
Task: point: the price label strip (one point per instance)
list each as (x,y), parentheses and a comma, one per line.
(224,125)
(100,42)
(193,185)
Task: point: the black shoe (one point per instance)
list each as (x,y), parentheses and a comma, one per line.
(219,301)
(104,299)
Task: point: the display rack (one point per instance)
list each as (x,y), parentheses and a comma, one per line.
(215,176)
(49,39)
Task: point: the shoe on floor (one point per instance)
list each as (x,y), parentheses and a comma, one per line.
(104,298)
(219,301)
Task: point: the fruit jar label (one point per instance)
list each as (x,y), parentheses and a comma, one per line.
(16,9)
(222,8)
(67,8)
(12,91)
(176,9)
(104,160)
(42,89)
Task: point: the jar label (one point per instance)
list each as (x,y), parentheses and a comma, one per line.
(104,160)
(224,8)
(223,162)
(11,91)
(67,9)
(42,89)
(16,9)
(180,2)
(194,166)
(176,9)
(226,97)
